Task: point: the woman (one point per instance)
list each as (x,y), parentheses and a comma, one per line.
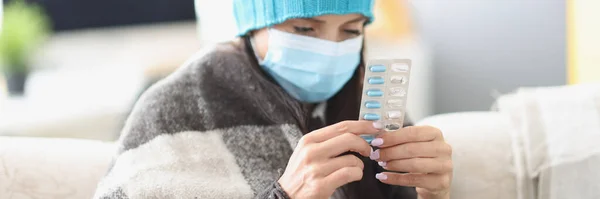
(272,115)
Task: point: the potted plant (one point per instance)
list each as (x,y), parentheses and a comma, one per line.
(24,28)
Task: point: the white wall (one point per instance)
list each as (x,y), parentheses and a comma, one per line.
(215,20)
(485,46)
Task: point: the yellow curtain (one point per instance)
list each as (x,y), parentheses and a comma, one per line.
(392,20)
(583,41)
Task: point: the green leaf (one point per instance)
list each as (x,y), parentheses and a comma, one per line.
(24,28)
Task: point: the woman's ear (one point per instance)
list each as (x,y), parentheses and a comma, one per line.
(260,38)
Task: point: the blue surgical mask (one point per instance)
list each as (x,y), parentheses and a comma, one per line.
(310,69)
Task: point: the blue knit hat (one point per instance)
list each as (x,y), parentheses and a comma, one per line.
(255,14)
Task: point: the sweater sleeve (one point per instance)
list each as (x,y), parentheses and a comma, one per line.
(403,192)
(273,192)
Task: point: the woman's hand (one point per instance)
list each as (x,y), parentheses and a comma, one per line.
(421,152)
(315,168)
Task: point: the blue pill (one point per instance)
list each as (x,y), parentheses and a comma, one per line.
(377,68)
(368,138)
(374,93)
(371,116)
(376,80)
(372,104)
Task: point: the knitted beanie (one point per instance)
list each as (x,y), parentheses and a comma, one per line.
(255,14)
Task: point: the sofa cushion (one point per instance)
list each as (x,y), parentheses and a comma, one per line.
(51,168)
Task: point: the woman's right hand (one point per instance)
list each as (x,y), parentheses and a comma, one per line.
(316,168)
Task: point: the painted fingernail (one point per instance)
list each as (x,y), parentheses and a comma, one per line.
(378,125)
(381,176)
(383,164)
(377,142)
(374,155)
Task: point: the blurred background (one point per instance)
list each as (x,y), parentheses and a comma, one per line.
(80,71)
(74,68)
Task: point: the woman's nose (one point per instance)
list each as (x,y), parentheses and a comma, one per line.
(333,37)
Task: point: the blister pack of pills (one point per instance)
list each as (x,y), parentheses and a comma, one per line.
(385,90)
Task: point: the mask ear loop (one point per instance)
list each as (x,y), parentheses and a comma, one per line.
(254,50)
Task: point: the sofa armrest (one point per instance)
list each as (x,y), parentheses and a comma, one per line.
(482,154)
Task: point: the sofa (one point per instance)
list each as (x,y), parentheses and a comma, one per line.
(540,144)
(62,168)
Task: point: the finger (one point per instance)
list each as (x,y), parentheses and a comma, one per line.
(408,135)
(344,143)
(338,163)
(419,165)
(331,131)
(433,149)
(343,176)
(431,182)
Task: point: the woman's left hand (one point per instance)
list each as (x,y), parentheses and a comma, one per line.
(422,153)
